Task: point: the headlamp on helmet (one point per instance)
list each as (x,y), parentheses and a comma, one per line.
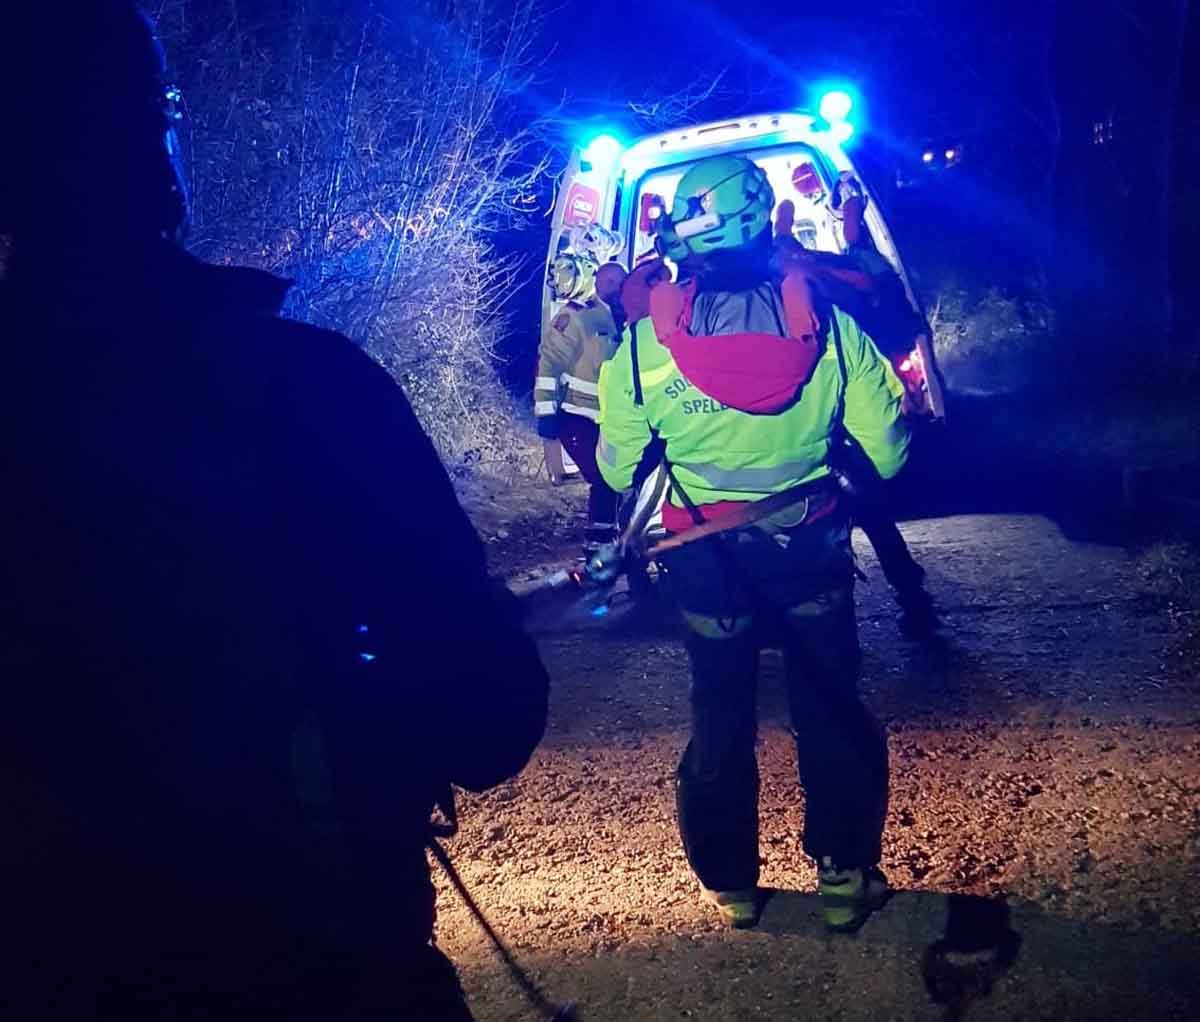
(723,202)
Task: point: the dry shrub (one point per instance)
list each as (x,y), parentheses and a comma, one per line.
(988,339)
(1170,571)
(969,323)
(371,153)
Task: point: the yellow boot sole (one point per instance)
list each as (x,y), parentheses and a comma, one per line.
(739,909)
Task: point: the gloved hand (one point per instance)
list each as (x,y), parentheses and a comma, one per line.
(604,565)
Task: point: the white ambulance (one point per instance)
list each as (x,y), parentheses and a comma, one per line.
(625,187)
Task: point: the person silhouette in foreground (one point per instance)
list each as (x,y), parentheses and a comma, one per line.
(217,523)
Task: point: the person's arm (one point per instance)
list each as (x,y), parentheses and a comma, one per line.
(624,431)
(428,662)
(853,226)
(872,413)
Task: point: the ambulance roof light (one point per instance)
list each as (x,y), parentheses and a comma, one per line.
(602,152)
(841,131)
(835,105)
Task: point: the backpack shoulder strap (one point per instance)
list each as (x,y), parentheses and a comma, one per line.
(671,308)
(798,309)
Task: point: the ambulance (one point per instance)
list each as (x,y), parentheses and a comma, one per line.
(624,188)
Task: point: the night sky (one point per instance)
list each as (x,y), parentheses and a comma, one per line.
(1020,85)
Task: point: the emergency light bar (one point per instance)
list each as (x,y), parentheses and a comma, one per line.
(841,132)
(602,153)
(835,106)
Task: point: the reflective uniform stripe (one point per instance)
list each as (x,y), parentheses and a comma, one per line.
(544,408)
(545,383)
(606,452)
(749,478)
(721,628)
(587,400)
(574,409)
(580,386)
(653,377)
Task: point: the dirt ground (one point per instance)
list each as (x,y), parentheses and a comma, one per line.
(1045,803)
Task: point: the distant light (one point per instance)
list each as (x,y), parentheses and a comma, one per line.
(835,106)
(602,152)
(906,365)
(951,153)
(927,157)
(366,658)
(841,132)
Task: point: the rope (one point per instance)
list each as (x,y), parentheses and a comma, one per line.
(544,1007)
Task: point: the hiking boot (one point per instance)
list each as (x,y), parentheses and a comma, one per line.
(918,620)
(739,909)
(849,896)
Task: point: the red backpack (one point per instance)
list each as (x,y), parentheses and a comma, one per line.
(760,373)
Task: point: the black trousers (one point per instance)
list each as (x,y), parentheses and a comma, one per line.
(795,589)
(902,572)
(579,436)
(871,511)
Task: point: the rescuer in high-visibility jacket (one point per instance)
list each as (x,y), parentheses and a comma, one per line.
(753,388)
(576,342)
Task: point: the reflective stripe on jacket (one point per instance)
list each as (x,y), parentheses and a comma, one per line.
(719,453)
(577,341)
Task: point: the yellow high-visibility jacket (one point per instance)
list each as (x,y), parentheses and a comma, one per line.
(719,453)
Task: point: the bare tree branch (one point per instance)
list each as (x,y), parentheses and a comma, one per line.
(678,107)
(372,158)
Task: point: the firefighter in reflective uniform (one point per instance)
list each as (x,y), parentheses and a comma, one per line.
(751,386)
(577,341)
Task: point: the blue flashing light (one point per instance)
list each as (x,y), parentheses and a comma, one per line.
(841,132)
(366,658)
(835,106)
(602,152)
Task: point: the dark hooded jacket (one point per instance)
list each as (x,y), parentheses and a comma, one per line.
(219,524)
